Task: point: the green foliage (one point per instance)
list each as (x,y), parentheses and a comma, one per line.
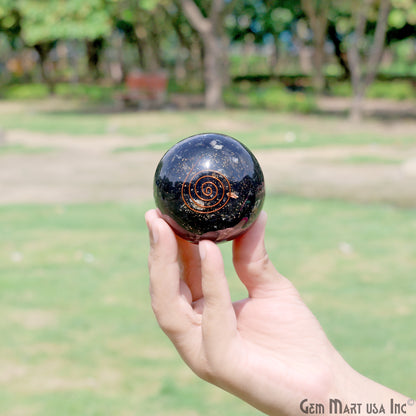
(404,63)
(248,65)
(6,7)
(397,18)
(403,11)
(24,91)
(397,90)
(269,97)
(97,94)
(87,92)
(162,35)
(258,21)
(49,20)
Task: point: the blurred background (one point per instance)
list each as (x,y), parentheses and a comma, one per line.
(91,96)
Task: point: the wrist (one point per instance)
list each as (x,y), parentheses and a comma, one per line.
(353,393)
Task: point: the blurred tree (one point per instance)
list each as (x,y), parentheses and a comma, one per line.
(337,40)
(10,21)
(262,22)
(193,36)
(51,20)
(189,51)
(44,23)
(208,20)
(280,18)
(365,51)
(401,25)
(402,21)
(94,49)
(317,14)
(43,49)
(143,24)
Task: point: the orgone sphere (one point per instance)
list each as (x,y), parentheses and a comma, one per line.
(209,186)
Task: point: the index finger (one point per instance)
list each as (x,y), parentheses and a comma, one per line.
(191,267)
(170,296)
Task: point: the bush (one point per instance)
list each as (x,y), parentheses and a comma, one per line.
(24,91)
(393,89)
(35,91)
(271,97)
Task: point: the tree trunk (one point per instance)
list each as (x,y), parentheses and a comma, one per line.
(43,50)
(274,56)
(318,20)
(357,106)
(210,30)
(182,62)
(140,44)
(189,65)
(94,49)
(361,79)
(213,73)
(341,57)
(319,82)
(154,43)
(196,61)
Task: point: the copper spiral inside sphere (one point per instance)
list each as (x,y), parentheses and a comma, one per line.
(207,193)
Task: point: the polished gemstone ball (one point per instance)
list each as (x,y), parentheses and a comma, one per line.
(209,186)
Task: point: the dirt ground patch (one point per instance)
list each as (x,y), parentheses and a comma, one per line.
(70,169)
(86,169)
(379,109)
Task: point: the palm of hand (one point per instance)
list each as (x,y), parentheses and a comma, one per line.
(281,337)
(267,348)
(279,340)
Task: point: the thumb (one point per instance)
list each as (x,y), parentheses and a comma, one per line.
(252,262)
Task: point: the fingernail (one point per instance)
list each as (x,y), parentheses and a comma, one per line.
(202,251)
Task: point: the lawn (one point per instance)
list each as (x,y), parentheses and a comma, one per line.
(258,129)
(79,338)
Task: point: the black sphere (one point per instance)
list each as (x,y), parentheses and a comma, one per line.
(209,186)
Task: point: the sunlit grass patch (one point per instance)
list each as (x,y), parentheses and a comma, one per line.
(158,130)
(7,149)
(79,337)
(371,159)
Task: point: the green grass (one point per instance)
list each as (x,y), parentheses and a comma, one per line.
(7,149)
(71,122)
(128,149)
(157,130)
(79,338)
(371,159)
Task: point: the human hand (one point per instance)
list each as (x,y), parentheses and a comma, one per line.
(267,349)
